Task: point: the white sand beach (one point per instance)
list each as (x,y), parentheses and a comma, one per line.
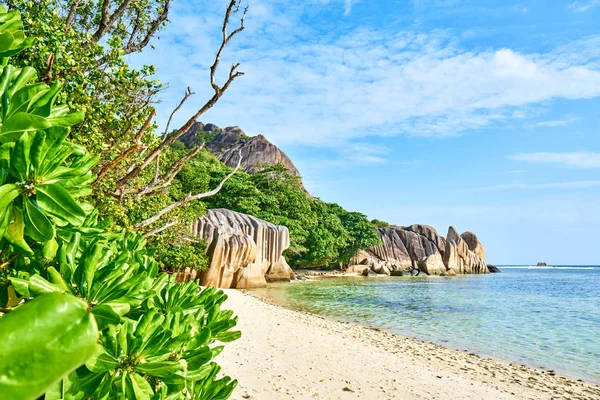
(286,354)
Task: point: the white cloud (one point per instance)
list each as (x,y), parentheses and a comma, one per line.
(583,6)
(348,6)
(566,120)
(328,88)
(574,185)
(571,160)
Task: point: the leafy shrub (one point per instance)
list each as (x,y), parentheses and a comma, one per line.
(84,312)
(321,234)
(380,224)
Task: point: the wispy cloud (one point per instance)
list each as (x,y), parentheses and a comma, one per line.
(573,185)
(348,5)
(583,6)
(305,87)
(571,160)
(566,120)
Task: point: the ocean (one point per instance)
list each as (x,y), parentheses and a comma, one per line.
(539,316)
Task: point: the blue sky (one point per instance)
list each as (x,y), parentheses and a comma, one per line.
(481,115)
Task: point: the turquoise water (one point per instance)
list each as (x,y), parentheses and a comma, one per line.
(543,317)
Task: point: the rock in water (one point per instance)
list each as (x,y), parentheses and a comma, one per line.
(229,142)
(244,251)
(493,269)
(474,244)
(459,258)
(419,248)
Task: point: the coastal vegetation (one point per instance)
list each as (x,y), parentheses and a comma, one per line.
(146,180)
(76,294)
(95,205)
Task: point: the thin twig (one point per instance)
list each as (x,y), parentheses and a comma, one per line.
(160,229)
(188,94)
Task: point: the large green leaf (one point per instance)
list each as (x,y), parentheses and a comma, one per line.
(8,193)
(21,157)
(42,341)
(26,75)
(37,225)
(55,200)
(20,123)
(105,316)
(24,96)
(16,230)
(67,120)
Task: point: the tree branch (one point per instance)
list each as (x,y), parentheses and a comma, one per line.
(165,180)
(49,64)
(188,198)
(71,15)
(160,229)
(188,94)
(107,21)
(133,47)
(128,152)
(233,8)
(233,74)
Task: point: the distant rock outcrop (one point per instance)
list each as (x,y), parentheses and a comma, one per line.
(244,251)
(474,244)
(493,269)
(229,142)
(420,249)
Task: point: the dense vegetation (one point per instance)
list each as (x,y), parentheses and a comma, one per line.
(84,46)
(82,193)
(84,313)
(322,234)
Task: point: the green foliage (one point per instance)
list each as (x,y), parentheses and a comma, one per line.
(321,234)
(181,255)
(64,337)
(98,81)
(73,291)
(380,224)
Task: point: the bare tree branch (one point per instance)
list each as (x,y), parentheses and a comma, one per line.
(233,8)
(188,198)
(129,151)
(233,74)
(160,229)
(165,180)
(188,94)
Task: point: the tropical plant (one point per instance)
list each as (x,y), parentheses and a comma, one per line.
(84,313)
(85,45)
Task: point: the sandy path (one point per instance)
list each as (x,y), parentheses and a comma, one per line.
(285,354)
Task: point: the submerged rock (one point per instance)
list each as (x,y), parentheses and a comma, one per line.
(244,251)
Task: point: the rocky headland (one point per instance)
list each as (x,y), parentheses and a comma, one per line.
(247,252)
(419,249)
(228,143)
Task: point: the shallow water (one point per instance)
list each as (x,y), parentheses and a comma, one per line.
(543,317)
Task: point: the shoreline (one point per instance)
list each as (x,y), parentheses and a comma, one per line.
(312,276)
(290,354)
